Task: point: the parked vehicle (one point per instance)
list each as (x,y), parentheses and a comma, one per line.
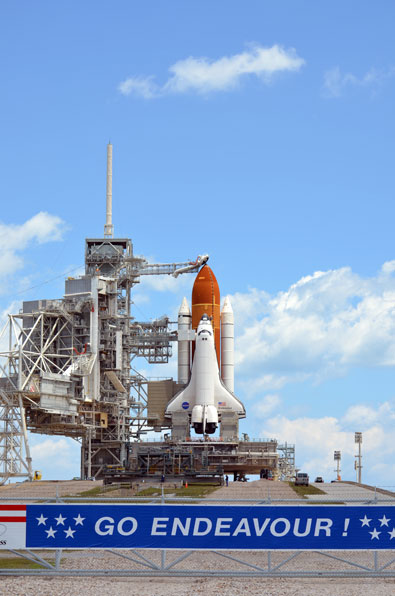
(319,479)
(302,479)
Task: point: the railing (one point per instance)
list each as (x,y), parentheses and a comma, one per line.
(274,537)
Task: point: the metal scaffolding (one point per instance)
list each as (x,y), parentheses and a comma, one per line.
(286,461)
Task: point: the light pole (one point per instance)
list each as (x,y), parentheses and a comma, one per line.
(358,440)
(337,457)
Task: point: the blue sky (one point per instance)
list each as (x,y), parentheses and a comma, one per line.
(259,132)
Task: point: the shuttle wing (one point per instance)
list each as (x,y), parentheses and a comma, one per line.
(183,400)
(225,400)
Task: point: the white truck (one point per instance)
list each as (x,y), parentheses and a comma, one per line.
(302,479)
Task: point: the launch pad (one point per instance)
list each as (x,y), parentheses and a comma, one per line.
(68,372)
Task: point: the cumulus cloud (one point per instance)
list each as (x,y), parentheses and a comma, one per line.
(39,229)
(317,438)
(320,327)
(362,416)
(336,82)
(203,75)
(58,456)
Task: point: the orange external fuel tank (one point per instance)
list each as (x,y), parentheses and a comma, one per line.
(206,300)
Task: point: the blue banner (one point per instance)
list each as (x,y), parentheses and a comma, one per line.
(213,527)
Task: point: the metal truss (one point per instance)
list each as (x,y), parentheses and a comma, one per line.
(286,461)
(15,457)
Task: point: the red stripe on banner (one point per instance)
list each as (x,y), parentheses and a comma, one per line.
(12,519)
(12,508)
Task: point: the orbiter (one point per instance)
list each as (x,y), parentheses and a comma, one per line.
(208,395)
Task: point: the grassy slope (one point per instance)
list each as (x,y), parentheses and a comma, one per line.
(302,491)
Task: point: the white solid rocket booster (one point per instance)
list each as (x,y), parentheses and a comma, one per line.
(227,345)
(184,326)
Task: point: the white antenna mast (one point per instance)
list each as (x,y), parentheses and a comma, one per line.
(109,228)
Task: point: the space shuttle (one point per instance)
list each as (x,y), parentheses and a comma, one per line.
(206,338)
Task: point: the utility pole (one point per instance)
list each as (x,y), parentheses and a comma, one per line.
(358,467)
(337,458)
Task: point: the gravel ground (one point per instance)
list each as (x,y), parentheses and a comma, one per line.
(259,489)
(344,491)
(90,560)
(120,586)
(46,488)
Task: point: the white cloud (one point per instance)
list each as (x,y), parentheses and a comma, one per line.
(251,383)
(143,87)
(364,416)
(335,82)
(267,405)
(317,438)
(49,448)
(388,267)
(58,457)
(203,76)
(165,283)
(320,327)
(39,229)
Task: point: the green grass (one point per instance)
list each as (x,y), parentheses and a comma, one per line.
(302,491)
(97,491)
(197,491)
(19,563)
(193,490)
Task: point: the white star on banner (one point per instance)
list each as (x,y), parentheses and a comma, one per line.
(79,520)
(69,533)
(375,534)
(60,519)
(51,533)
(365,521)
(384,521)
(392,534)
(41,520)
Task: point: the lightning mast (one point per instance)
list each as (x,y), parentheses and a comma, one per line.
(108,228)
